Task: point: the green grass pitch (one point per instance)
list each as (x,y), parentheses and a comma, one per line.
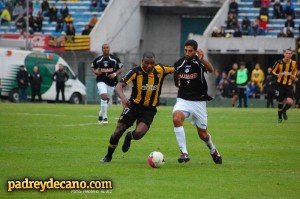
(261,159)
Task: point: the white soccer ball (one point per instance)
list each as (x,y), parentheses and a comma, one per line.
(156,159)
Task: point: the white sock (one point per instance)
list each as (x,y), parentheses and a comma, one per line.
(180,136)
(104,108)
(100,110)
(210,144)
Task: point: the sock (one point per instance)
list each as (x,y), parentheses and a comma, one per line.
(180,136)
(280,106)
(286,107)
(209,142)
(100,110)
(113,143)
(104,108)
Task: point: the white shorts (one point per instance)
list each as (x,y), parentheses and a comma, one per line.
(195,110)
(104,88)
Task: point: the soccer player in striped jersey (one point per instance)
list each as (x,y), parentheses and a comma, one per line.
(285,70)
(147,80)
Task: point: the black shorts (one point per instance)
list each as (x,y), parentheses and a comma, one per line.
(137,113)
(283,91)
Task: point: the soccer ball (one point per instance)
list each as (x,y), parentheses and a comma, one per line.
(156,159)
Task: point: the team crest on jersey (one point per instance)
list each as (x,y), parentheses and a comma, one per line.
(105,63)
(187,70)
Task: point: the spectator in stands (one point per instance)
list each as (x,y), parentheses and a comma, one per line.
(70,31)
(2,5)
(278,10)
(232,22)
(35,23)
(256,3)
(289,9)
(246,25)
(60,24)
(5,16)
(18,11)
(52,14)
(215,32)
(255,29)
(21,24)
(86,30)
(93,21)
(233,8)
(95,5)
(69,19)
(264,13)
(265,3)
(281,33)
(289,33)
(45,8)
(237,32)
(222,32)
(253,90)
(64,11)
(36,8)
(289,23)
(258,76)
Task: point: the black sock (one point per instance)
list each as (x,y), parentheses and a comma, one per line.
(280,106)
(113,143)
(286,107)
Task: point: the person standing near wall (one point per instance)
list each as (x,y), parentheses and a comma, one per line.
(60,76)
(242,78)
(35,79)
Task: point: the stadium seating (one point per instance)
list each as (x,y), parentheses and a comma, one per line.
(275,25)
(78,9)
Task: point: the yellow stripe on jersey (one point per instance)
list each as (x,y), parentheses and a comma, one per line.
(288,69)
(147,86)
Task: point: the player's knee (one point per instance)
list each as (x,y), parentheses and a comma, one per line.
(289,101)
(177,120)
(136,135)
(203,134)
(104,96)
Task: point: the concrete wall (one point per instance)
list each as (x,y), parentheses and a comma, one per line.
(120,25)
(162,36)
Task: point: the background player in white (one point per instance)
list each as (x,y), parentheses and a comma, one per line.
(106,67)
(191,99)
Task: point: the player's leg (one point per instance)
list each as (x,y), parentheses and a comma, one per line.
(105,102)
(102,91)
(199,118)
(280,99)
(240,96)
(180,112)
(114,140)
(144,121)
(289,101)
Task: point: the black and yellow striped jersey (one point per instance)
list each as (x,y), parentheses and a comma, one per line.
(146,86)
(287,69)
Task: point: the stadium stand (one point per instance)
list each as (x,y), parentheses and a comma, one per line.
(80,10)
(274,26)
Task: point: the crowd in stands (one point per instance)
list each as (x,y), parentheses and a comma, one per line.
(39,10)
(258,26)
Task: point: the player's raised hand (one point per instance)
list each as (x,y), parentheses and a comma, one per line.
(200,54)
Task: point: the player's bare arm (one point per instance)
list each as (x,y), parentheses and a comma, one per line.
(96,72)
(113,75)
(209,67)
(121,95)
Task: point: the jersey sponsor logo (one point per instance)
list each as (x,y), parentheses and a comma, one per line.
(149,87)
(188,76)
(106,70)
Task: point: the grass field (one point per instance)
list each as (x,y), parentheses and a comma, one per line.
(261,159)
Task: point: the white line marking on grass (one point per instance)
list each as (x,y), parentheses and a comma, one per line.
(86,124)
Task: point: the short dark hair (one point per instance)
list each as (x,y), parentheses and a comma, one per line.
(149,55)
(192,43)
(22,66)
